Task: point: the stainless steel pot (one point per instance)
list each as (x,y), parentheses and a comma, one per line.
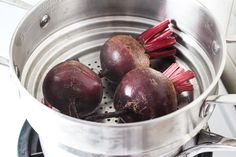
(56,30)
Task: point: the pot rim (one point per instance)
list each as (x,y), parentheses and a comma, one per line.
(199,99)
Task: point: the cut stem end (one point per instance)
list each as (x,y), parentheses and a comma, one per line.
(149,33)
(180,77)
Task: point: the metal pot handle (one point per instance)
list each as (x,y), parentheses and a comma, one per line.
(18,3)
(4,61)
(231,39)
(209,142)
(211,101)
(221,99)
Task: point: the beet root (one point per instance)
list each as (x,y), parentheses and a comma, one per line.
(146,93)
(122,53)
(72,88)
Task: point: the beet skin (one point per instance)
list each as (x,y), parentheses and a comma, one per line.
(146,94)
(120,54)
(72,88)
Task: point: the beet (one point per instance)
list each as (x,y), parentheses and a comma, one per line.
(145,93)
(122,53)
(72,88)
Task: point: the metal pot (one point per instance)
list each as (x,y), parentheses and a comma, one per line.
(57,30)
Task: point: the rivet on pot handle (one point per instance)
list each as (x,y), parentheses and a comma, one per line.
(210,142)
(213,100)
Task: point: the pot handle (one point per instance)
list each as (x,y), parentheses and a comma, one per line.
(18,3)
(231,39)
(209,142)
(211,101)
(221,99)
(4,61)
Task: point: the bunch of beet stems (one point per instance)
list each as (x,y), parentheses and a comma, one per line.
(157,41)
(179,77)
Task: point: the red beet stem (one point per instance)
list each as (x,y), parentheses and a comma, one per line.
(172,70)
(183,77)
(156,45)
(160,36)
(164,53)
(179,77)
(149,33)
(184,87)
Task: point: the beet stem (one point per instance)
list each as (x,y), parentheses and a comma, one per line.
(104,115)
(170,70)
(182,77)
(156,45)
(179,77)
(164,53)
(184,87)
(161,36)
(149,33)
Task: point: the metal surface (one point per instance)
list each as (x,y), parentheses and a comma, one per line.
(18,3)
(44,21)
(229,74)
(231,39)
(213,100)
(4,61)
(228,99)
(210,142)
(77,29)
(28,142)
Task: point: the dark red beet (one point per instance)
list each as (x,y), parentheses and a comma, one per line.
(72,88)
(122,53)
(145,93)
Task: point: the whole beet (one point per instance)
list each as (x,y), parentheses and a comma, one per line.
(120,54)
(146,94)
(72,88)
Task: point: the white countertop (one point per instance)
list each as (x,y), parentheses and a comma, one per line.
(11,117)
